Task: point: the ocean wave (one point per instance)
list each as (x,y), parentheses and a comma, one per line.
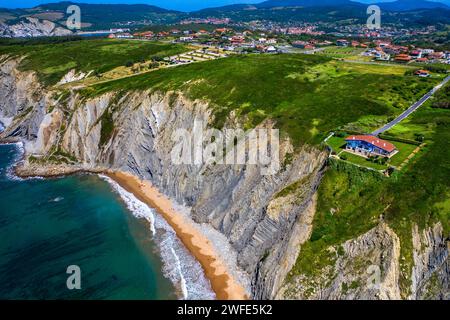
(183,286)
(188,270)
(18,157)
(57,199)
(18,152)
(136,207)
(179,266)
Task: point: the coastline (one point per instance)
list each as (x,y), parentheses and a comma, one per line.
(222,282)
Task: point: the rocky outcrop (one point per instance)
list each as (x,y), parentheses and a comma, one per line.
(368,268)
(73,76)
(23,100)
(32,27)
(363,268)
(430,275)
(233,199)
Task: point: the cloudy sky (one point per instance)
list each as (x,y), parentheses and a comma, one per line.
(185,5)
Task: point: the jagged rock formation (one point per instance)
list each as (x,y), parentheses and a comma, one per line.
(32,27)
(265,218)
(430,275)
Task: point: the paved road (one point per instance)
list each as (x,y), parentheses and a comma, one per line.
(411,109)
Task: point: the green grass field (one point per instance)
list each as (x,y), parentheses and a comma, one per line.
(361,161)
(404,151)
(53,61)
(306,95)
(412,129)
(342,52)
(337,144)
(409,130)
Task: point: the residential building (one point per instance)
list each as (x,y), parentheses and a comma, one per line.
(367,146)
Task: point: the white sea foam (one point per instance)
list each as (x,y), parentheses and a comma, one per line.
(184,290)
(138,208)
(57,199)
(18,155)
(183,270)
(18,152)
(222,248)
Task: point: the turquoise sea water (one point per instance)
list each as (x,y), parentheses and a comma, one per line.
(48,225)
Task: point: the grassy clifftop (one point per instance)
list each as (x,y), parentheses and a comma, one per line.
(52,61)
(306,95)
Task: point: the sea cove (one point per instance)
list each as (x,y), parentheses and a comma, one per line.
(48,225)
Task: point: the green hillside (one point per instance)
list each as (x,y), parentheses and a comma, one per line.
(307,96)
(96,16)
(53,60)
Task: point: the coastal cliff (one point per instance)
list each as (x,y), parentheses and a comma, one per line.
(266,219)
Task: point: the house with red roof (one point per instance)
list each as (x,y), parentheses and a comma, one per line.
(367,146)
(403,58)
(423,73)
(237,39)
(422,60)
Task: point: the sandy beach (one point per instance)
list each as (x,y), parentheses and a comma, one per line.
(223,284)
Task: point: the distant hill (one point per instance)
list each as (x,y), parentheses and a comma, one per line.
(304,3)
(95,16)
(107,9)
(331,11)
(279,13)
(407,5)
(399,5)
(106,16)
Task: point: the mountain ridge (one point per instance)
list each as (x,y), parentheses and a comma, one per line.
(106,16)
(398,5)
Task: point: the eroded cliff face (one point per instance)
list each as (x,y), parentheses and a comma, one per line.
(363,268)
(134,132)
(32,27)
(265,220)
(430,275)
(368,268)
(231,198)
(22,104)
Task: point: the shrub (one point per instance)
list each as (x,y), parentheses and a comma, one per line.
(419,137)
